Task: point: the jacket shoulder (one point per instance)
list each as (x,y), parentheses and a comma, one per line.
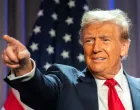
(64,72)
(134,81)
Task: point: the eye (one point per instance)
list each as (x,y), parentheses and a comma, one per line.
(89,41)
(106,40)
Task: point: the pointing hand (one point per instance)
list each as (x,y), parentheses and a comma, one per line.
(16,56)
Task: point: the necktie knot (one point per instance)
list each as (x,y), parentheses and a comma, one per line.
(110,82)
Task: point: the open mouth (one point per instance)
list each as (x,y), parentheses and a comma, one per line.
(99,59)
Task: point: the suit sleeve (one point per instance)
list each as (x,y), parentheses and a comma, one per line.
(41,91)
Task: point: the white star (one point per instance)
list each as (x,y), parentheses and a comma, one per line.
(86,8)
(80,57)
(67,38)
(54,16)
(57,1)
(71,4)
(69,20)
(47,65)
(40,13)
(52,33)
(37,29)
(50,50)
(34,46)
(65,54)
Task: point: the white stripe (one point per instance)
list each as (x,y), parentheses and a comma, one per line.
(2,108)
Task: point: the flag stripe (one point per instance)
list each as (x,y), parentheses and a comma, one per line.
(12,103)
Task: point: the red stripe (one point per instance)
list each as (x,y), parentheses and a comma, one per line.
(12,103)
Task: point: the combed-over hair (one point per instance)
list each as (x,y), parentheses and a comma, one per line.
(115,16)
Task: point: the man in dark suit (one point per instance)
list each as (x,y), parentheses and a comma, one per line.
(103,85)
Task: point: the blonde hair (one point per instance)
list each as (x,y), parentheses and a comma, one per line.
(116,16)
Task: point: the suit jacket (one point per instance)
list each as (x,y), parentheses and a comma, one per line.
(66,88)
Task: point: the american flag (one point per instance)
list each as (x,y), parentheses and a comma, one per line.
(55,37)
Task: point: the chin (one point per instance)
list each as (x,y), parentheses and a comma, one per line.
(96,70)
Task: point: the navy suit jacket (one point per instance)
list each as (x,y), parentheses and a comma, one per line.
(65,88)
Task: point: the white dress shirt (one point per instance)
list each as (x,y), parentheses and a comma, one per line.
(122,89)
(24,77)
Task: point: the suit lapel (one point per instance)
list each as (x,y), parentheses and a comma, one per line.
(87,91)
(134,85)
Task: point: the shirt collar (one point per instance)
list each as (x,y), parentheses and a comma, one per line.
(119,77)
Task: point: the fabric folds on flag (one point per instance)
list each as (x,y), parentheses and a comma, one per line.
(55,37)
(12,102)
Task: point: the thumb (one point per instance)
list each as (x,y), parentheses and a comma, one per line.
(23,55)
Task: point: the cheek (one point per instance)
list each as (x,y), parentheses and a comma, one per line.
(87,50)
(113,52)
(87,54)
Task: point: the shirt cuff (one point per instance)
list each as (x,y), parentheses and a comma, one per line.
(24,77)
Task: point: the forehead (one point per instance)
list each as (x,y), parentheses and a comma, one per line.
(101,27)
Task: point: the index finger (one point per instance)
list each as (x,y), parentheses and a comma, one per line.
(9,39)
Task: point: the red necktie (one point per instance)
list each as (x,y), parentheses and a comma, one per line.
(114,102)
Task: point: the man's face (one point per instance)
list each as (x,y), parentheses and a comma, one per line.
(103,49)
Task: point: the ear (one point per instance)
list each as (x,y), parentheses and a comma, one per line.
(124,48)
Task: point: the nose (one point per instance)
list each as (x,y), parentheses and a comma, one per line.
(97,46)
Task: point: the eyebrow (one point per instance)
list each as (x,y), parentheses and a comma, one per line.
(101,36)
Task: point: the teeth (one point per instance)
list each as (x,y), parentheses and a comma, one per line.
(100,58)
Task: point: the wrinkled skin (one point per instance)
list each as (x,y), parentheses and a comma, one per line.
(103,48)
